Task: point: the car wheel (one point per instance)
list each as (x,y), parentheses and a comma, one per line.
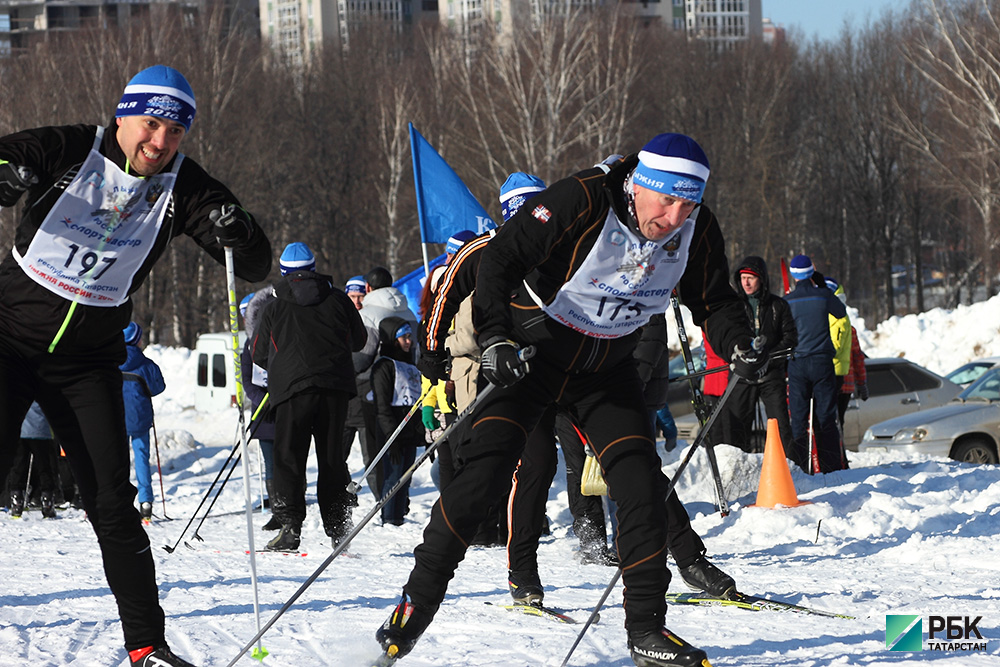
(975,450)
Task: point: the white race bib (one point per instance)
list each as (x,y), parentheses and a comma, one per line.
(99,232)
(622,282)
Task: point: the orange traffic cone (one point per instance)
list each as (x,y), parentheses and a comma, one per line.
(776,487)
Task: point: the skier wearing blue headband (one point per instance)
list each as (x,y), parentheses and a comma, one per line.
(101,207)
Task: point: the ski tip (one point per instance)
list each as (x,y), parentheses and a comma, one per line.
(259,654)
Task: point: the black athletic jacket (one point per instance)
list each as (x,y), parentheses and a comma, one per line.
(546,255)
(30,313)
(772,319)
(305,337)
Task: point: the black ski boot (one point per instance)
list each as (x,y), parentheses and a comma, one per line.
(160,657)
(662,648)
(272,524)
(400,632)
(701,575)
(16,504)
(598,554)
(287,539)
(146,512)
(525,587)
(48,507)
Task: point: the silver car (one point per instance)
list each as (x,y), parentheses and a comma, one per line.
(966,429)
(895,387)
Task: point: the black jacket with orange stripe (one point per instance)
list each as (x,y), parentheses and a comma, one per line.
(546,255)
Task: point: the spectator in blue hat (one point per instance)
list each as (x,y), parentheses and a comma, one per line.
(355,289)
(142,380)
(812,382)
(65,300)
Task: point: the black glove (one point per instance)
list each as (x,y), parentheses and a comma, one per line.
(433,365)
(232,225)
(749,364)
(13,182)
(501,365)
(862,390)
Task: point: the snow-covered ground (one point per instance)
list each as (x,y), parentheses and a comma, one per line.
(889,536)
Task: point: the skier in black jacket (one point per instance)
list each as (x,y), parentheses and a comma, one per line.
(575,273)
(102,204)
(304,339)
(770,317)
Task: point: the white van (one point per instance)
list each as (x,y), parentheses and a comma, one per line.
(216,378)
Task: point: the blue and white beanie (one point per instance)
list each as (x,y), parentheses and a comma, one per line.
(457,240)
(517,189)
(673,164)
(158,91)
(356,284)
(244,303)
(132,333)
(296,257)
(801,267)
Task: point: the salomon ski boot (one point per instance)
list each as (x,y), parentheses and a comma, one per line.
(158,657)
(400,632)
(525,587)
(287,539)
(701,575)
(662,648)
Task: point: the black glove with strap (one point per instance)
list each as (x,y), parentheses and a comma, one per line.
(433,365)
(232,225)
(501,364)
(750,364)
(862,391)
(13,182)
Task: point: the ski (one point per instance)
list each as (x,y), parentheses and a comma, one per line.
(537,610)
(384,660)
(749,602)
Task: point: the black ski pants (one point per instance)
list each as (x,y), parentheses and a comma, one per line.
(530,492)
(773,393)
(318,414)
(82,399)
(609,407)
(37,458)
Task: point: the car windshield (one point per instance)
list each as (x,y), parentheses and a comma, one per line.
(679,368)
(986,388)
(968,373)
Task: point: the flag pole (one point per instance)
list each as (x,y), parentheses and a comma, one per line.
(418,186)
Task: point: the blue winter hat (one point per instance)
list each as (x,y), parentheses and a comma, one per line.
(356,284)
(801,267)
(159,91)
(404,330)
(673,164)
(132,333)
(296,257)
(244,303)
(517,189)
(457,240)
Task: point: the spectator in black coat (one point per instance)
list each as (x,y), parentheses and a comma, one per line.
(770,317)
(254,380)
(304,339)
(396,388)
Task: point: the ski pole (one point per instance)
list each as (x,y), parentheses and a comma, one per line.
(524,354)
(234,452)
(234,327)
(670,487)
(253,429)
(159,470)
(354,487)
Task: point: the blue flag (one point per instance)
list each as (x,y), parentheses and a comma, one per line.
(444,203)
(412,284)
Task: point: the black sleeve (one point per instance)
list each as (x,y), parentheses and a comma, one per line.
(651,347)
(835,306)
(788,333)
(457,283)
(525,241)
(260,349)
(383,385)
(198,194)
(705,290)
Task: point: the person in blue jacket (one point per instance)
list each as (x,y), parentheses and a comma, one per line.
(142,380)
